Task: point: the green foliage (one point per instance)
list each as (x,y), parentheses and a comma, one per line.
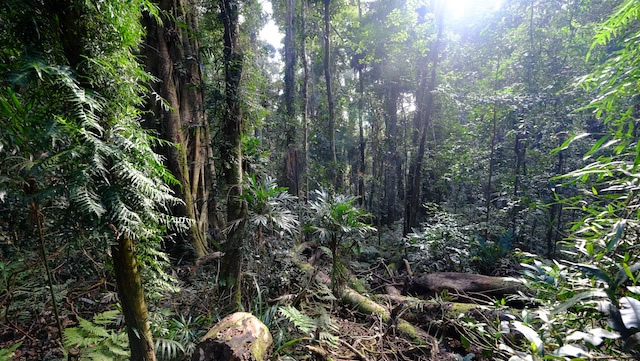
(300,320)
(94,341)
(335,219)
(441,245)
(337,216)
(269,206)
(176,337)
(323,325)
(486,255)
(6,354)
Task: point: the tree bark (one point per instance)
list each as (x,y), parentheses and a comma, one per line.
(305,99)
(362,164)
(491,151)
(423,121)
(327,77)
(462,285)
(182,120)
(393,168)
(231,270)
(555,214)
(127,273)
(131,294)
(291,157)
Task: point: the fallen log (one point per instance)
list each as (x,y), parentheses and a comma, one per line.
(237,337)
(418,311)
(464,286)
(366,305)
(370,307)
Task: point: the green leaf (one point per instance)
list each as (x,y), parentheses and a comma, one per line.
(465,342)
(630,312)
(575,299)
(568,142)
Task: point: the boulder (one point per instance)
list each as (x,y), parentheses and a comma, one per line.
(237,337)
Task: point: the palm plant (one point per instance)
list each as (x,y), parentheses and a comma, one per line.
(268,207)
(335,219)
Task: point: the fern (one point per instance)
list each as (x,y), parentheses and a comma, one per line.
(301,321)
(167,349)
(6,354)
(95,342)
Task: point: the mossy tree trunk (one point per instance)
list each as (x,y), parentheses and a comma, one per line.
(291,157)
(170,46)
(334,174)
(231,270)
(131,295)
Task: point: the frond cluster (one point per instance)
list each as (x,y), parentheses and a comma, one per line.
(269,205)
(94,341)
(336,215)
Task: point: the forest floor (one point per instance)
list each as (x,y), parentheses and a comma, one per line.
(342,331)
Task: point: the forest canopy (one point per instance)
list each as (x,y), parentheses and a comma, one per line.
(319,180)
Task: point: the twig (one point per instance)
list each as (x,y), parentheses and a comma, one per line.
(14,326)
(407,266)
(43,251)
(354,350)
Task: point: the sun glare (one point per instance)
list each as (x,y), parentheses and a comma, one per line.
(462,8)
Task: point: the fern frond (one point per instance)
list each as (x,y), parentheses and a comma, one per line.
(301,321)
(167,349)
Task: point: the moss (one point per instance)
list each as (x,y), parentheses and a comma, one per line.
(457,308)
(358,286)
(260,349)
(365,305)
(409,330)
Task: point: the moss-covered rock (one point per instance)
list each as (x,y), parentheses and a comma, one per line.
(237,337)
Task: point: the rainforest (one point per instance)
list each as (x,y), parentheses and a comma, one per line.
(299,180)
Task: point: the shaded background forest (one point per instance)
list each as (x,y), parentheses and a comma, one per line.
(166,161)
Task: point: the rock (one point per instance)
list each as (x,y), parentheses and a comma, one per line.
(237,337)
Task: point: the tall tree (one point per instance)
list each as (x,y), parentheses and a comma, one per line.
(424,111)
(333,174)
(393,170)
(291,157)
(305,96)
(181,120)
(231,151)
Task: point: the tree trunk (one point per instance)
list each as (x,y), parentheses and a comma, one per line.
(131,294)
(362,164)
(463,285)
(291,158)
(327,77)
(291,169)
(305,99)
(231,270)
(423,121)
(362,161)
(182,120)
(367,306)
(491,151)
(393,160)
(555,215)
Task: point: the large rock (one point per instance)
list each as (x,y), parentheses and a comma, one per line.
(237,337)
